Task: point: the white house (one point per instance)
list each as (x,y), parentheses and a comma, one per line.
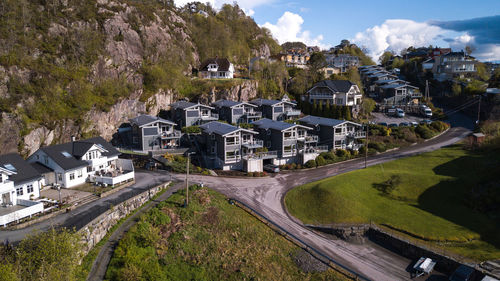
(338,92)
(27,180)
(75,162)
(217,68)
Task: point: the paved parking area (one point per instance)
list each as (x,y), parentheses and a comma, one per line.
(68,195)
(379,117)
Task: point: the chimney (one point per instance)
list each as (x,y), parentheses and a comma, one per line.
(73,139)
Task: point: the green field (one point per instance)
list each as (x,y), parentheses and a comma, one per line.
(446,198)
(209,240)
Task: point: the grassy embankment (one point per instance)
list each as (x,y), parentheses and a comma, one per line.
(444,199)
(209,240)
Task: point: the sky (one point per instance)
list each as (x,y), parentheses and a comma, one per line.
(381,25)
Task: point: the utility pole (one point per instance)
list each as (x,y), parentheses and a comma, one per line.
(366,145)
(479,110)
(187,178)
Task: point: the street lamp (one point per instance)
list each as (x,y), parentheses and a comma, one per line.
(58,186)
(187,175)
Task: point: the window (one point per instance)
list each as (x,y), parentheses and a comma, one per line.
(212,150)
(337,143)
(19,191)
(71,176)
(268,144)
(29,188)
(338,131)
(135,140)
(89,169)
(80,173)
(89,156)
(59,177)
(109,163)
(212,136)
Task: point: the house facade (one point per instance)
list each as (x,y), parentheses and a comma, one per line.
(228,147)
(336,134)
(219,68)
(186,114)
(338,92)
(76,162)
(7,190)
(235,112)
(27,180)
(278,110)
(453,64)
(292,142)
(150,133)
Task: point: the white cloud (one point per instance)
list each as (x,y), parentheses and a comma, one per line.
(289,29)
(486,52)
(396,35)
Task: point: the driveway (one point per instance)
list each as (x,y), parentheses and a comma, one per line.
(266,196)
(379,117)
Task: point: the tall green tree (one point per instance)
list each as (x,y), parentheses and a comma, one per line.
(328,109)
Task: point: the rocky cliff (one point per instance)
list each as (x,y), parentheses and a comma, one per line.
(75,68)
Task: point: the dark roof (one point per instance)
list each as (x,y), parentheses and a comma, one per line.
(42,169)
(186,104)
(275,125)
(221,128)
(24,171)
(76,150)
(223,64)
(142,120)
(455,54)
(265,102)
(337,86)
(226,103)
(315,120)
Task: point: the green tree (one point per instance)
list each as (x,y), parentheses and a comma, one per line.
(475,87)
(50,255)
(346,114)
(368,105)
(314,110)
(328,109)
(456,89)
(320,111)
(385,57)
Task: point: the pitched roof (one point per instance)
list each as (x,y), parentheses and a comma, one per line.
(222,128)
(67,155)
(265,102)
(144,119)
(223,64)
(337,86)
(186,104)
(42,169)
(315,120)
(24,171)
(275,125)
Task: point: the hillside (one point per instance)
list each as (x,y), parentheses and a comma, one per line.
(83,67)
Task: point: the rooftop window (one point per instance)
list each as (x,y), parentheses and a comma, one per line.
(66,154)
(10,167)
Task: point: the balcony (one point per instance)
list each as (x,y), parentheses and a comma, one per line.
(288,153)
(253,144)
(357,135)
(261,155)
(292,112)
(171,135)
(211,116)
(308,139)
(232,158)
(255,114)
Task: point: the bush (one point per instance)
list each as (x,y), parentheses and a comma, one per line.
(320,161)
(250,174)
(293,166)
(310,164)
(299,166)
(424,132)
(362,150)
(378,146)
(341,153)
(191,130)
(439,126)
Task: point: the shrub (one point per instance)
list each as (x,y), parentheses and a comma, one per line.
(439,126)
(362,150)
(310,164)
(341,153)
(299,166)
(378,146)
(250,174)
(191,130)
(320,161)
(424,132)
(293,166)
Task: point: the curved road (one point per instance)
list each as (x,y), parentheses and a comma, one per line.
(265,195)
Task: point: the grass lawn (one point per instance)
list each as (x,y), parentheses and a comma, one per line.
(433,197)
(209,240)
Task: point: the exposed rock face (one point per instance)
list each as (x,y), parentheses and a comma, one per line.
(10,127)
(245,91)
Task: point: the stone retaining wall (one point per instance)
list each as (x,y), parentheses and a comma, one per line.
(95,230)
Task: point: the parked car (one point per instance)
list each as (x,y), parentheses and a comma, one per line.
(462,273)
(393,125)
(425,111)
(271,168)
(425,122)
(383,124)
(400,113)
(414,124)
(404,124)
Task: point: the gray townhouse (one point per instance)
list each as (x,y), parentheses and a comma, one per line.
(151,133)
(339,92)
(236,112)
(228,147)
(292,142)
(187,114)
(336,134)
(278,110)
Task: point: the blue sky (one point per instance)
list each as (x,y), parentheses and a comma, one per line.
(381,25)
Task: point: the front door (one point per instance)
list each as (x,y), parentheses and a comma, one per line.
(6,199)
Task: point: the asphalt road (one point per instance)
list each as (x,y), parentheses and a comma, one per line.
(82,215)
(266,196)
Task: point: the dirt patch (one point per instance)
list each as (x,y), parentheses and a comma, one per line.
(308,263)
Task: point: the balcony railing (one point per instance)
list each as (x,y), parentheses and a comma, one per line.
(359,134)
(172,134)
(255,114)
(292,152)
(292,112)
(233,158)
(261,155)
(308,139)
(253,144)
(210,116)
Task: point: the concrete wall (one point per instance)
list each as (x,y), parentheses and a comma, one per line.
(95,230)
